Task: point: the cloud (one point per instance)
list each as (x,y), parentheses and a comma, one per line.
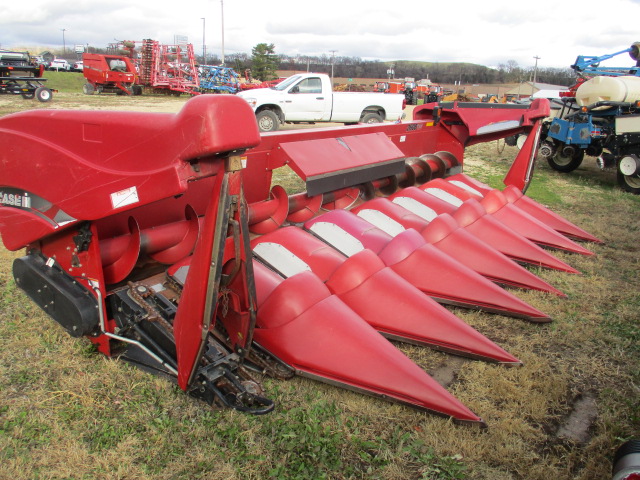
(488,33)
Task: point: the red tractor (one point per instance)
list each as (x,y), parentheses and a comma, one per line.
(405,88)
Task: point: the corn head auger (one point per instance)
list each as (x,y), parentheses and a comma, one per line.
(161,238)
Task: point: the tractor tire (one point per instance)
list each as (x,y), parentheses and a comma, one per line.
(371,118)
(137,90)
(88,89)
(267,121)
(565,164)
(28,95)
(43,94)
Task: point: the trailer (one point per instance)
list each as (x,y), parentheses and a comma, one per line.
(20,75)
(161,238)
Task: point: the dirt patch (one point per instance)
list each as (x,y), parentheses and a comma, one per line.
(446,373)
(576,426)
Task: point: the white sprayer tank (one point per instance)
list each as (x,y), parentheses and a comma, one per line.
(610,89)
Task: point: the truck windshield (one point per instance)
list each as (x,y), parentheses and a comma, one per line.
(285,83)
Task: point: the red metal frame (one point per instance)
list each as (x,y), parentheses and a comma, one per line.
(434,128)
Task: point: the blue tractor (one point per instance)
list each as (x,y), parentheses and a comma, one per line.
(600,118)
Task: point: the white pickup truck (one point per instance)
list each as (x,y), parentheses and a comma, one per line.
(309,98)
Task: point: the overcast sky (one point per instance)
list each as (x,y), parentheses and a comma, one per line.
(485,32)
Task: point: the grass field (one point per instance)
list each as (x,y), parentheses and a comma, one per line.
(67,82)
(66,412)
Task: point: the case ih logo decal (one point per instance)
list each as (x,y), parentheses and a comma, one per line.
(13,199)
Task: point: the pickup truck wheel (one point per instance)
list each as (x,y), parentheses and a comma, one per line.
(371,118)
(566,163)
(267,121)
(43,94)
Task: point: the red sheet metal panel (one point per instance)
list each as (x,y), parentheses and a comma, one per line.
(332,163)
(89,165)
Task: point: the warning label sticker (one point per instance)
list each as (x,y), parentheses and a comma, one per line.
(124,197)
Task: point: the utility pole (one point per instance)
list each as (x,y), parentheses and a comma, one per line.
(204,45)
(535,73)
(222,11)
(333,54)
(64,44)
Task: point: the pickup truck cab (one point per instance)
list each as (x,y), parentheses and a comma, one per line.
(309,98)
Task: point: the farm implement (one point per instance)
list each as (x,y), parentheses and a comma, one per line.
(218,79)
(157,67)
(109,74)
(168,68)
(599,117)
(19,75)
(164,241)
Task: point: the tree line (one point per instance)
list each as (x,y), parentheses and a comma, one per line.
(264,62)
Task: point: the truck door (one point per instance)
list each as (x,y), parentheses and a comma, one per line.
(307,102)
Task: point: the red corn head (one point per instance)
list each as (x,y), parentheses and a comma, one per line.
(301,323)
(474,218)
(533,208)
(445,233)
(530,227)
(497,205)
(423,265)
(385,300)
(548,217)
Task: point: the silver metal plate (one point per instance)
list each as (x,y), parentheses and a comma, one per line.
(416,207)
(280,258)
(382,221)
(337,237)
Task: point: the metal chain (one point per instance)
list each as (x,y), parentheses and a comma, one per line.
(224,301)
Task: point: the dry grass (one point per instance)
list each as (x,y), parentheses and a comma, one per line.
(68,413)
